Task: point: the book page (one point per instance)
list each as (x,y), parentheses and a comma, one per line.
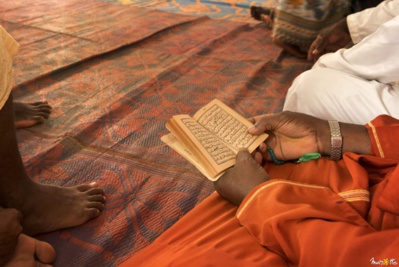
(211,139)
(174,143)
(228,125)
(210,151)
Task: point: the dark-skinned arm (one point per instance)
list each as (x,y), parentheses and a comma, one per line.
(293,134)
(355,138)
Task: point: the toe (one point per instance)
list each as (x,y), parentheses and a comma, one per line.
(93,212)
(86,187)
(95,191)
(29,122)
(45,108)
(40,103)
(97,198)
(96,205)
(43,114)
(38,119)
(45,253)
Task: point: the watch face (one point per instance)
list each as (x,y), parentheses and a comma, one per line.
(336,141)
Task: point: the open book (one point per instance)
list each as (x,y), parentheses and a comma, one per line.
(211,139)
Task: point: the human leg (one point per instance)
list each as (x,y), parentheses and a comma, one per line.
(295,26)
(331,94)
(209,235)
(44,207)
(352,85)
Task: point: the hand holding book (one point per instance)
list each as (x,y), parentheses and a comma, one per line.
(211,139)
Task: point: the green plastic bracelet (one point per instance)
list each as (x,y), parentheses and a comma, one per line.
(305,158)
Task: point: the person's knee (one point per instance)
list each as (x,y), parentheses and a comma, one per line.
(305,89)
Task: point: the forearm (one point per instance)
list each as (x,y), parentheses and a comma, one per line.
(355,138)
(378,137)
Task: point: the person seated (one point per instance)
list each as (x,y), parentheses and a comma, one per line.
(295,24)
(340,209)
(352,84)
(322,190)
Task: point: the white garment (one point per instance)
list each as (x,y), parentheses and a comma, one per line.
(362,24)
(354,85)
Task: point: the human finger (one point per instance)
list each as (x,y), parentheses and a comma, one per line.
(243,155)
(245,159)
(247,163)
(11,213)
(255,119)
(258,157)
(264,123)
(11,220)
(261,155)
(317,47)
(262,148)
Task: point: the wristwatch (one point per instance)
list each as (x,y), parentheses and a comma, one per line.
(336,140)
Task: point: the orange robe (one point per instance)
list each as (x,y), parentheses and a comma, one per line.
(318,213)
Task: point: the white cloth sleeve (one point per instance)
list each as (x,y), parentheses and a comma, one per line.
(374,58)
(362,24)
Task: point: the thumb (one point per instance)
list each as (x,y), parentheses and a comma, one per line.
(244,158)
(265,123)
(319,44)
(243,155)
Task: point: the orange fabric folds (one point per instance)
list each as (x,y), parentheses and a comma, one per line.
(318,213)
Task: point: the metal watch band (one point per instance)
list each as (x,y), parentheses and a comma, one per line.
(336,141)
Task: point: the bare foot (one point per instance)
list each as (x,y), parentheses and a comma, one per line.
(258,12)
(30,114)
(31,252)
(47,208)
